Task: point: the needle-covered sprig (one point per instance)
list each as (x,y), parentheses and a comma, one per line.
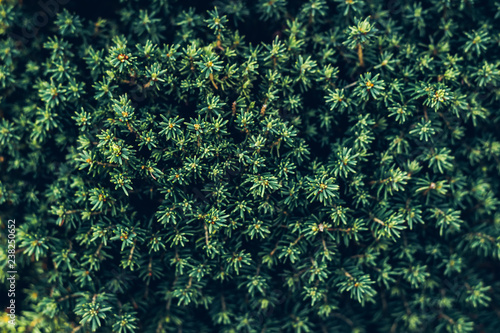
(369,86)
(215,22)
(360,34)
(210,65)
(477,42)
(68,23)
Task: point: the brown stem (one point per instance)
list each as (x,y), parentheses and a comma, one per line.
(206,233)
(74,211)
(132,130)
(105,164)
(324,244)
(98,250)
(344,318)
(447,318)
(76,329)
(132,251)
(274,250)
(352,84)
(340,229)
(379,221)
(223,302)
(297,240)
(67,297)
(360,56)
(346,273)
(211,77)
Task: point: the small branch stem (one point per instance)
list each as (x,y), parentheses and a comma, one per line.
(360,56)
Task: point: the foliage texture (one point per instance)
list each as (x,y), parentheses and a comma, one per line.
(252,166)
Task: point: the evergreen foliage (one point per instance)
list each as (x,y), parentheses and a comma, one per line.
(251,166)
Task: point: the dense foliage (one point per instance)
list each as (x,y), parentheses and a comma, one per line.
(251,166)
